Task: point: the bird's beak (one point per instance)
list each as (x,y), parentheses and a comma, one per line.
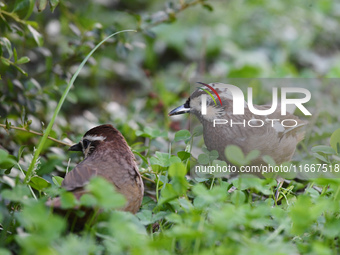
(76,147)
(179,110)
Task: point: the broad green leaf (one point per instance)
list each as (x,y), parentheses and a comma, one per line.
(182,135)
(323,149)
(24,8)
(203,159)
(254,154)
(6,161)
(17,194)
(68,200)
(105,193)
(152,133)
(183,155)
(39,183)
(238,197)
(88,200)
(235,155)
(163,159)
(167,194)
(197,131)
(177,170)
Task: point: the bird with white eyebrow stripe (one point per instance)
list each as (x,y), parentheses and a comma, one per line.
(106,154)
(272,138)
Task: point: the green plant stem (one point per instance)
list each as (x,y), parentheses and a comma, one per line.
(34,132)
(61,101)
(30,188)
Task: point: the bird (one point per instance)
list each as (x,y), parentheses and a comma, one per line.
(272,139)
(106,154)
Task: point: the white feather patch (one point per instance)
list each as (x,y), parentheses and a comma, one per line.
(94,138)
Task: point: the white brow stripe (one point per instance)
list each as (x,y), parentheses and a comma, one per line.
(94,138)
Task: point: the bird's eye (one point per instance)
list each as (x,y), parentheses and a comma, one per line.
(187,103)
(86,143)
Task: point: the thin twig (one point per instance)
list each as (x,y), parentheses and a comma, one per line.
(146,178)
(34,132)
(182,7)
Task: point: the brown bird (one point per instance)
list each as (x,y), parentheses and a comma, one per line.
(106,154)
(272,139)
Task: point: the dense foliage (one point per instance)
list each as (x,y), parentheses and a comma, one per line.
(132,81)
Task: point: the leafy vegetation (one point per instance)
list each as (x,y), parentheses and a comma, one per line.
(132,81)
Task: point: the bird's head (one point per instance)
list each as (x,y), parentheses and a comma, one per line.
(213,104)
(96,138)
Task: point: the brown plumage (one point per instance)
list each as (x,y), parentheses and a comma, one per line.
(106,154)
(271,139)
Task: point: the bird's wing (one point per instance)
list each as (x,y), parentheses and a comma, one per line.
(79,176)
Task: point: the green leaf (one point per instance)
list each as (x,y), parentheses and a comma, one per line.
(145,216)
(3,251)
(323,149)
(17,194)
(163,159)
(183,155)
(182,135)
(105,193)
(269,160)
(36,35)
(168,193)
(177,170)
(5,42)
(151,133)
(15,55)
(198,131)
(68,200)
(208,7)
(57,180)
(88,200)
(235,155)
(53,4)
(254,154)
(41,5)
(335,141)
(21,150)
(203,159)
(24,7)
(39,183)
(141,156)
(23,60)
(5,61)
(6,161)
(238,197)
(20,70)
